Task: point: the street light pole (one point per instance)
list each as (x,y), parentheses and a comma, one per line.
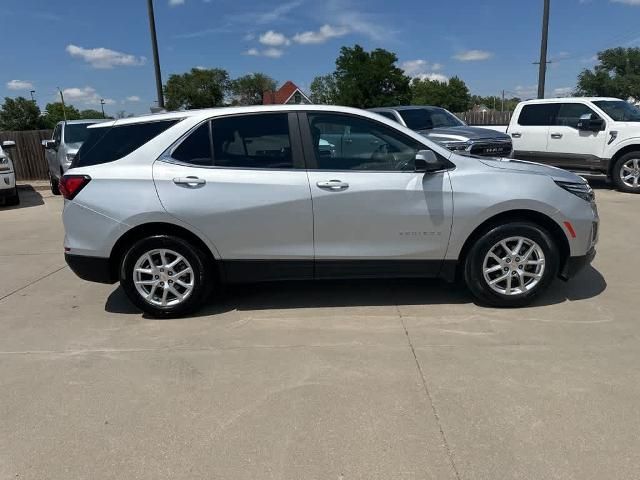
(542,72)
(64,109)
(102,105)
(156,58)
(33,99)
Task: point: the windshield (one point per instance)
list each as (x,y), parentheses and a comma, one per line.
(428,118)
(619,110)
(76,132)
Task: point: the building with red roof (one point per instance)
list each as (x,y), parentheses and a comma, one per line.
(288,94)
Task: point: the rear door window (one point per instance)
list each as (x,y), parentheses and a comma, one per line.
(108,144)
(539,114)
(252,141)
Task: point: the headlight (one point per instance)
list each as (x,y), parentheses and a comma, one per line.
(70,157)
(582,190)
(4,164)
(456,146)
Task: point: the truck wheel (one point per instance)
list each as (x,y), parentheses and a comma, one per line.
(511,264)
(13,200)
(626,173)
(54,184)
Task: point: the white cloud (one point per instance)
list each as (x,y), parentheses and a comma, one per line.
(433,76)
(273,39)
(278,12)
(627,2)
(268,52)
(325,33)
(175,3)
(563,91)
(526,91)
(133,98)
(104,57)
(272,52)
(86,95)
(473,55)
(19,85)
(422,70)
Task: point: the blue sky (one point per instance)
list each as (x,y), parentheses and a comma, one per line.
(96,49)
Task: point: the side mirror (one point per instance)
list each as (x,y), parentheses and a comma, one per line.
(588,123)
(427,161)
(48,144)
(6,145)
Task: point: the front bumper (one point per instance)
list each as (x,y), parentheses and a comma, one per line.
(575,264)
(7,183)
(91,269)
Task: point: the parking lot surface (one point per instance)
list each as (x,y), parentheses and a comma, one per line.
(328,380)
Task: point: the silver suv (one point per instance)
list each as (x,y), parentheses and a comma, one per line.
(61,149)
(171,205)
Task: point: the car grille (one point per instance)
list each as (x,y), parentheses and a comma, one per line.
(492,149)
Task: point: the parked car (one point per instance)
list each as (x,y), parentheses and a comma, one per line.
(8,187)
(589,136)
(172,204)
(60,150)
(445,128)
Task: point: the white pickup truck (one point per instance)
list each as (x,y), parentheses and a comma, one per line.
(590,136)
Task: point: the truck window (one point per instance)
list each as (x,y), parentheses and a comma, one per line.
(569,114)
(539,114)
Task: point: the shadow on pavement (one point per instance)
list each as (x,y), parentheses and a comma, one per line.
(355,293)
(29,197)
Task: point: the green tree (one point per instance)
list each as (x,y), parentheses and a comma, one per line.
(53,113)
(452,94)
(197,89)
(324,90)
(249,89)
(19,114)
(90,113)
(495,102)
(617,74)
(370,79)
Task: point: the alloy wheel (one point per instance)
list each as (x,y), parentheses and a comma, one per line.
(514,266)
(163,278)
(630,173)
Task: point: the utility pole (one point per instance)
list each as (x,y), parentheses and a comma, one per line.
(64,109)
(102,105)
(502,107)
(542,72)
(156,58)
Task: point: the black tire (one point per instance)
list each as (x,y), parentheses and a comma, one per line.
(54,183)
(474,264)
(203,277)
(618,172)
(13,200)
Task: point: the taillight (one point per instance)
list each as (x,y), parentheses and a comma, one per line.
(70,185)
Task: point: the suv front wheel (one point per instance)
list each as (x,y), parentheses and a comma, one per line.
(165,276)
(511,264)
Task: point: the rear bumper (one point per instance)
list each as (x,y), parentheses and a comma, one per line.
(575,264)
(91,269)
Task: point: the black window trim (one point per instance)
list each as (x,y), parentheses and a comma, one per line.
(309,151)
(297,156)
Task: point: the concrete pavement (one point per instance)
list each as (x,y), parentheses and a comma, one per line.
(329,380)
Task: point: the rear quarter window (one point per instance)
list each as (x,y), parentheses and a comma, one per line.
(107,144)
(539,114)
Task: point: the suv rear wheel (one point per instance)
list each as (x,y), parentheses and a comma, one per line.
(626,173)
(511,264)
(165,276)
(54,184)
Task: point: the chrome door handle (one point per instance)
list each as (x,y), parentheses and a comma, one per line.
(333,185)
(556,135)
(516,135)
(189,181)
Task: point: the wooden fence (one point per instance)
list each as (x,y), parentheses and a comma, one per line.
(28,156)
(492,117)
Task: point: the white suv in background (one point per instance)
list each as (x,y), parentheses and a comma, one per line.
(8,188)
(589,136)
